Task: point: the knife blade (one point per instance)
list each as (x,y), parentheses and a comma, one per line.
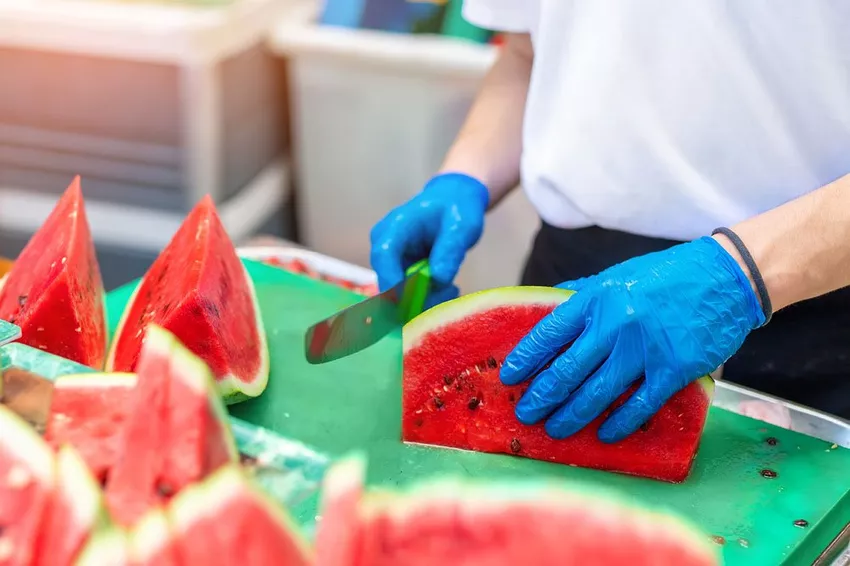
(27,394)
(365,323)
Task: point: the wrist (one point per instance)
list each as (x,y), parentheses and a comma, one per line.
(735,259)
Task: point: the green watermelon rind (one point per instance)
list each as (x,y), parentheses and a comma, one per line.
(79,488)
(107,546)
(149,535)
(18,438)
(231,388)
(196,375)
(207,498)
(472,304)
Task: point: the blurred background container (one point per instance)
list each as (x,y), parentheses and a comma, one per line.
(158,103)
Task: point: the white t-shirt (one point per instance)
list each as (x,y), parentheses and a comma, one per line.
(668,118)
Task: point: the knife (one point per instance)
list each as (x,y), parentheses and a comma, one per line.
(365,323)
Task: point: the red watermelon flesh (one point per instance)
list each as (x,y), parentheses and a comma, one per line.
(453,396)
(88,412)
(54,291)
(498,524)
(151,543)
(226,520)
(133,484)
(27,476)
(199,290)
(75,511)
(199,437)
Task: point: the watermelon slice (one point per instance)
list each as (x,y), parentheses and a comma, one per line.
(133,485)
(199,436)
(227,520)
(88,412)
(499,524)
(453,396)
(150,541)
(54,291)
(198,289)
(106,547)
(27,477)
(75,511)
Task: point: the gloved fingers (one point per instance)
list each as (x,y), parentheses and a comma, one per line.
(636,411)
(391,242)
(543,342)
(460,229)
(604,387)
(441,294)
(555,384)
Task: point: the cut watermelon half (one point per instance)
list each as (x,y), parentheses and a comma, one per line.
(198,289)
(74,513)
(227,520)
(27,479)
(54,291)
(151,543)
(452,395)
(499,524)
(88,412)
(109,547)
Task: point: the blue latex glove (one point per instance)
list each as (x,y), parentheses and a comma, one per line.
(441,223)
(671,316)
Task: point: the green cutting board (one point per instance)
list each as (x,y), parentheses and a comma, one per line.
(355,403)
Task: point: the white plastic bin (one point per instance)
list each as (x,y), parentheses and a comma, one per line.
(373,116)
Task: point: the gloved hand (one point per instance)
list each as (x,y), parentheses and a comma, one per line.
(671,316)
(441,223)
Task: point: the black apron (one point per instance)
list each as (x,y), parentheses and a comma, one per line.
(802,355)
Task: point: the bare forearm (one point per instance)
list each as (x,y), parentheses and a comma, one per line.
(489,145)
(802,248)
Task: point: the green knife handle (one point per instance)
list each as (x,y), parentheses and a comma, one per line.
(415,291)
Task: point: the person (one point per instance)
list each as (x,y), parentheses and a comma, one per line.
(637,130)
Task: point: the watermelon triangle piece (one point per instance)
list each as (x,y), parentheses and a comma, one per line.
(88,412)
(27,479)
(199,290)
(452,394)
(227,520)
(133,484)
(106,547)
(462,522)
(199,436)
(151,543)
(75,511)
(54,292)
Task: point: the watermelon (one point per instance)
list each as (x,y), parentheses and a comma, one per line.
(199,436)
(463,523)
(452,395)
(88,412)
(54,292)
(27,478)
(75,511)
(133,484)
(227,520)
(199,290)
(108,547)
(150,541)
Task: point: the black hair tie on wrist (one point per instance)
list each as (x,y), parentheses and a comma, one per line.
(761,288)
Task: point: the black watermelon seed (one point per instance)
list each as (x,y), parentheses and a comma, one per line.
(772,441)
(164,490)
(491,363)
(644,427)
(419,422)
(448,380)
(802,523)
(769,474)
(438,402)
(717,539)
(515,446)
(22,300)
(473,403)
(511,397)
(246,460)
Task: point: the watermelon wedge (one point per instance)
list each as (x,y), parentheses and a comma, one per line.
(27,477)
(88,412)
(74,513)
(199,290)
(463,523)
(452,395)
(227,520)
(150,541)
(107,547)
(54,291)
